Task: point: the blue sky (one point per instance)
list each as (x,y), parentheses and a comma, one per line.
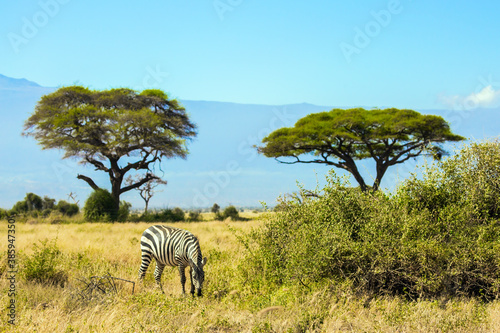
(400,53)
(392,53)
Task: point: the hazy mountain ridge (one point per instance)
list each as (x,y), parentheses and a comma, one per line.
(222,166)
(8,83)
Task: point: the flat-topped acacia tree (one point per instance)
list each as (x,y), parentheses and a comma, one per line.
(116,131)
(341,136)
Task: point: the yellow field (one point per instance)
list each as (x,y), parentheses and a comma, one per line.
(229,304)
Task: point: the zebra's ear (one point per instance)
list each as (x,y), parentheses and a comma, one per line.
(204,262)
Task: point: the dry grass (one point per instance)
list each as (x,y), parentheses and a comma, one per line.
(229,304)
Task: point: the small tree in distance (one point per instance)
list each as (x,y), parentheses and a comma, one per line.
(146,190)
(215,208)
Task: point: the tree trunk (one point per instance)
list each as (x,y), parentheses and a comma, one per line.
(115,192)
(381,169)
(350,166)
(360,181)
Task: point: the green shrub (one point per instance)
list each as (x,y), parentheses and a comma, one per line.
(67,208)
(232,212)
(177,214)
(43,265)
(100,206)
(164,215)
(4,214)
(215,208)
(124,211)
(437,235)
(33,205)
(194,216)
(474,176)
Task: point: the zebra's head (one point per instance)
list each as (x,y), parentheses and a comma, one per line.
(198,274)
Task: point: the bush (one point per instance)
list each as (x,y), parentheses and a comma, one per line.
(474,176)
(470,180)
(436,236)
(4,214)
(232,212)
(215,208)
(33,205)
(67,208)
(100,206)
(164,215)
(43,265)
(194,216)
(124,211)
(177,214)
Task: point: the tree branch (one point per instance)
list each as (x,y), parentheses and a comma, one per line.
(324,161)
(89,181)
(146,179)
(98,165)
(396,160)
(143,163)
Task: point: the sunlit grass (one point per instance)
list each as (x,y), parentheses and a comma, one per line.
(228,305)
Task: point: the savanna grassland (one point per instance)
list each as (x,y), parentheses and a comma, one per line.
(425,258)
(229,304)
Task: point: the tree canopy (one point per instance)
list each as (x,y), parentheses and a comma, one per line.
(341,136)
(102,127)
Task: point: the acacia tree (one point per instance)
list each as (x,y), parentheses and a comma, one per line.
(116,130)
(146,190)
(340,137)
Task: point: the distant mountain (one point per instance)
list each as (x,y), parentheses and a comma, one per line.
(222,166)
(8,83)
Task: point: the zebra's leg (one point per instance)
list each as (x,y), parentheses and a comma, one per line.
(182,273)
(158,272)
(146,260)
(191,277)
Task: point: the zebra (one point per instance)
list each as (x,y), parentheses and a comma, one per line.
(174,247)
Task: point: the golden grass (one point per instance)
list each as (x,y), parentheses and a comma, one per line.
(228,305)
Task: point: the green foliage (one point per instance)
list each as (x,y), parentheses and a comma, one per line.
(124,211)
(67,208)
(469,179)
(33,205)
(20,207)
(4,214)
(100,206)
(229,211)
(43,265)
(84,121)
(178,214)
(163,215)
(475,172)
(194,216)
(232,212)
(436,236)
(339,137)
(215,208)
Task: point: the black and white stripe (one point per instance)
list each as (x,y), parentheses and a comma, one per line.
(173,247)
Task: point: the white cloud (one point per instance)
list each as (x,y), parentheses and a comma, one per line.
(485,98)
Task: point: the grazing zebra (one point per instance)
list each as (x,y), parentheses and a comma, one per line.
(173,247)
